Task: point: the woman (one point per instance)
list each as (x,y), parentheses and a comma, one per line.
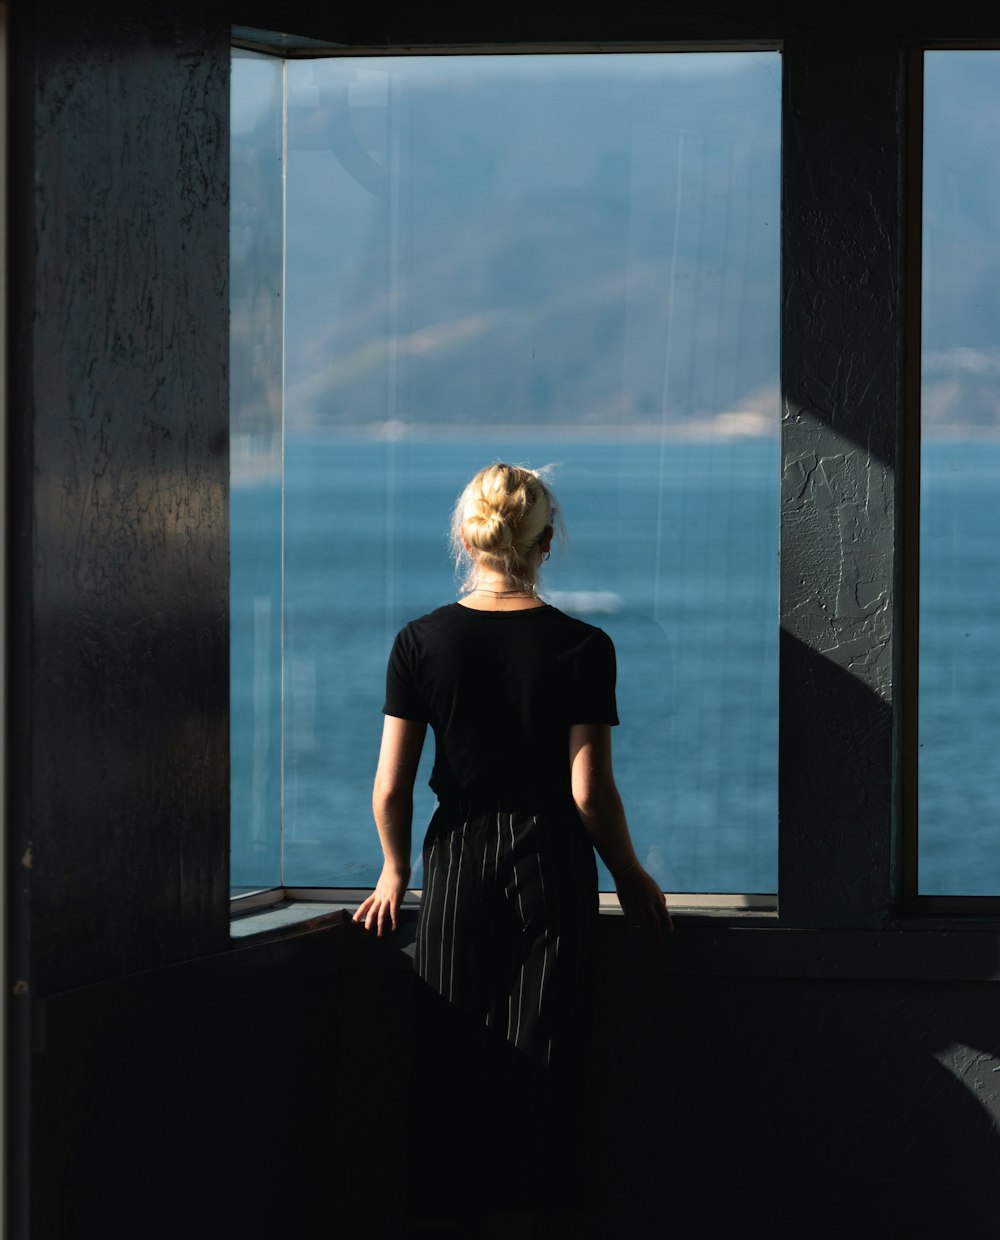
(521,699)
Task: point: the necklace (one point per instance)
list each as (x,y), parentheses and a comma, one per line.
(506,593)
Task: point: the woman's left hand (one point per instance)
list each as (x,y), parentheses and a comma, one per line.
(384,901)
(644,905)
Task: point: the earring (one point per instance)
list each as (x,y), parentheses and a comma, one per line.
(546,554)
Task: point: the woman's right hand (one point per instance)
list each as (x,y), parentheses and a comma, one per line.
(644,905)
(384,901)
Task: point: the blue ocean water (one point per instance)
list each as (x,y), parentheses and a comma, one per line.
(959,703)
(674,553)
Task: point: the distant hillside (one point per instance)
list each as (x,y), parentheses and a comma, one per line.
(536,252)
(961,393)
(476,243)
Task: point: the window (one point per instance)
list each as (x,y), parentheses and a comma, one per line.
(256,399)
(959,703)
(560,259)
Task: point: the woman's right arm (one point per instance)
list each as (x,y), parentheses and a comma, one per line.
(392,805)
(600,808)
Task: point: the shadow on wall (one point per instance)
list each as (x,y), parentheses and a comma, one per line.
(792,1108)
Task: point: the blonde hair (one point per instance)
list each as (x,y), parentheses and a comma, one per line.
(503,515)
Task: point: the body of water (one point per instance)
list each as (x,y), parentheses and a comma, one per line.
(674,552)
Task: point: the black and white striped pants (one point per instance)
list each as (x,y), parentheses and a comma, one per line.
(507,922)
(505,962)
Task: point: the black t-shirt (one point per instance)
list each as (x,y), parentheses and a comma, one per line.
(501,689)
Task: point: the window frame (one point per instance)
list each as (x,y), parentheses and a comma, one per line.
(285,48)
(914,903)
(809,892)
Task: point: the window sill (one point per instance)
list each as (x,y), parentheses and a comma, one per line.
(734,943)
(297,916)
(286,916)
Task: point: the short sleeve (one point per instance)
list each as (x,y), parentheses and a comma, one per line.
(403,700)
(593,698)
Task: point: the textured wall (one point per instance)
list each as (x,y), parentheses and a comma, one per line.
(121,480)
(842,410)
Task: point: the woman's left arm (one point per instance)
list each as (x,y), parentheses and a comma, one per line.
(600,808)
(392,805)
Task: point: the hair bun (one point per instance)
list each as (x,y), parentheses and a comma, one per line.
(500,520)
(487,529)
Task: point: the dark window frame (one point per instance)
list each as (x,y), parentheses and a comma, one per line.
(847,736)
(912,901)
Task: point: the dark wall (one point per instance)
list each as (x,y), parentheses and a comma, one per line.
(793,1106)
(761,1078)
(118,486)
(742,1082)
(120,481)
(203,1099)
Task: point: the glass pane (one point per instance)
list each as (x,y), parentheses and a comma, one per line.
(567,260)
(959,779)
(255,360)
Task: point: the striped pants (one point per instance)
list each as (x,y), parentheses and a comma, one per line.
(505,957)
(507,921)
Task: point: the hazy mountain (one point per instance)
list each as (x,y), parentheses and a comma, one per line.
(552,247)
(566,240)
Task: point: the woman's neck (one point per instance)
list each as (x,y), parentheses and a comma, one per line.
(497,593)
